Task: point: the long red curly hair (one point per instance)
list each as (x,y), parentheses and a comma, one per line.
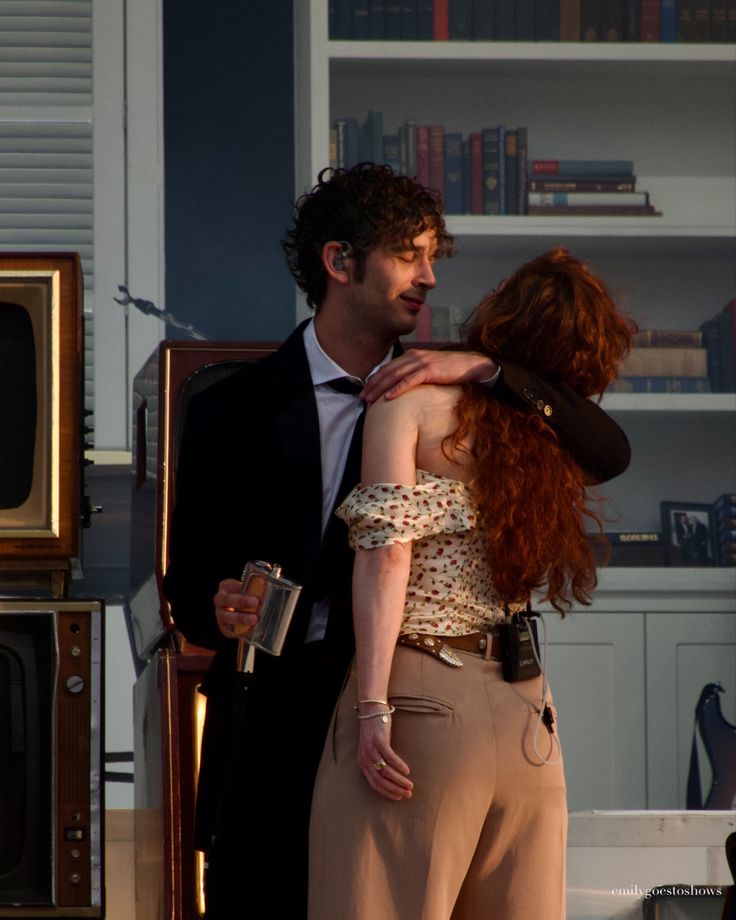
(556,317)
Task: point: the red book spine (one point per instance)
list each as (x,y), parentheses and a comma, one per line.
(545,167)
(437,158)
(476,173)
(650,31)
(441,20)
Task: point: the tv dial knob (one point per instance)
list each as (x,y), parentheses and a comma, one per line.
(75,684)
(75,878)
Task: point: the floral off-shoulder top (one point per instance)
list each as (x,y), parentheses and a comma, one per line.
(450,591)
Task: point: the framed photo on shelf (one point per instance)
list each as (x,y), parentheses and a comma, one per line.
(689,534)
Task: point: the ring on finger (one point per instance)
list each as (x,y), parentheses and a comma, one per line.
(380,764)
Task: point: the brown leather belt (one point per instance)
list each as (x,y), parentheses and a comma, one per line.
(442,648)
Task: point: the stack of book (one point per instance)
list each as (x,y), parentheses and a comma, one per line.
(664,361)
(724,509)
(533,20)
(719,339)
(584,188)
(633,548)
(484,172)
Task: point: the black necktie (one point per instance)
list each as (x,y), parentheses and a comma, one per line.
(346,385)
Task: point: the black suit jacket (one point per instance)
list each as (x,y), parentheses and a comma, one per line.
(249,486)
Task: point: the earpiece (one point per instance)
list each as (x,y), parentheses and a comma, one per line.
(338,263)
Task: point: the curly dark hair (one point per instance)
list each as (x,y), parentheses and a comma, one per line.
(366,206)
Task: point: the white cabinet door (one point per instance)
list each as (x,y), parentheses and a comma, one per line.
(596,671)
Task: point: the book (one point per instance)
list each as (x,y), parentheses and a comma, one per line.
(491,170)
(632,20)
(437,158)
(569,20)
(726,337)
(660,385)
(563,199)
(522,146)
(422,135)
(524,20)
(453,178)
(476,172)
(611,24)
(461,20)
(546,21)
(589,20)
(505,20)
(665,362)
(701,21)
(392,20)
(408,142)
(583,168)
(359,29)
(511,167)
(718,23)
(725,500)
(376,19)
(408,21)
(650,21)
(392,151)
(731,20)
(593,184)
(341,20)
(637,548)
(441,29)
(425,20)
(710,332)
(668,24)
(672,338)
(686,21)
(484,20)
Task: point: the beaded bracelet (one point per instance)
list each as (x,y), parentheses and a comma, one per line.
(382,713)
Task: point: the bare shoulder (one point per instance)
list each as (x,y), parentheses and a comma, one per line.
(417,401)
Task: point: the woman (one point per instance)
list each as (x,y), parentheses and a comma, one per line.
(467,506)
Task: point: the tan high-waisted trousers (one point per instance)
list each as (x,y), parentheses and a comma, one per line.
(483,836)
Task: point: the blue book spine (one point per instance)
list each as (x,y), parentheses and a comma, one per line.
(505,21)
(728,367)
(712,344)
(668,21)
(467,187)
(461,20)
(376,19)
(408,21)
(524,20)
(425,20)
(582,168)
(546,21)
(342,21)
(453,173)
(484,20)
(392,20)
(361,23)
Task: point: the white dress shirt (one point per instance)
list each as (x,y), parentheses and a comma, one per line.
(338,414)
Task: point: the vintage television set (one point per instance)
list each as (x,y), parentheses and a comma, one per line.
(51,790)
(40,418)
(168,709)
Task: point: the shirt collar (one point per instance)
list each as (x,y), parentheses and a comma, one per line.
(321,365)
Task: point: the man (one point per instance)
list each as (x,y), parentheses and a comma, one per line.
(260,472)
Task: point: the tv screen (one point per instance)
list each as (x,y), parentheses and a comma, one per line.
(27,661)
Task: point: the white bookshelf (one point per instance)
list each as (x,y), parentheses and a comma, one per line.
(668,107)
